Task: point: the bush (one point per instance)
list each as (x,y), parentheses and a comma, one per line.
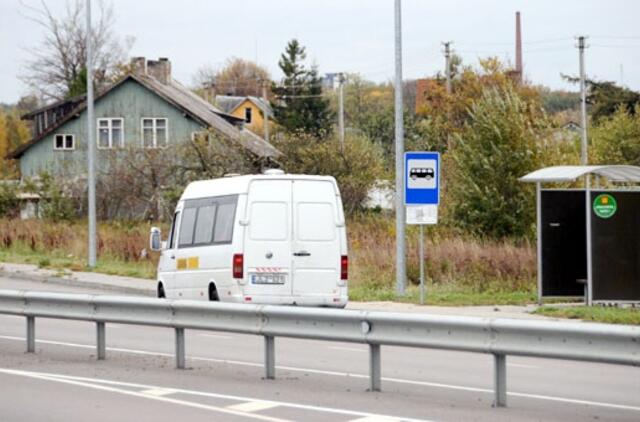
(616,139)
(58,201)
(8,200)
(356,167)
(497,146)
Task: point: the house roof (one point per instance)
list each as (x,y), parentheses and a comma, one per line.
(181,97)
(76,99)
(229,103)
(557,174)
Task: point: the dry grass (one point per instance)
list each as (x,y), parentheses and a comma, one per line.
(454,264)
(450,260)
(66,244)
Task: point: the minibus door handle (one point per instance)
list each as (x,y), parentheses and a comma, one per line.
(301,253)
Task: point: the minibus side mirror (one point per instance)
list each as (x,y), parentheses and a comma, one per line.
(155,239)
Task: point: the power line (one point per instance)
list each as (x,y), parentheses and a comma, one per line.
(617,37)
(616,45)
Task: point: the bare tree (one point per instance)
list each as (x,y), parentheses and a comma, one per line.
(57,64)
(238,77)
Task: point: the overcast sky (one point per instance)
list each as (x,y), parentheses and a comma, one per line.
(357,35)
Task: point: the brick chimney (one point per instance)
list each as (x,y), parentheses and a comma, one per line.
(209,91)
(160,69)
(519,69)
(139,65)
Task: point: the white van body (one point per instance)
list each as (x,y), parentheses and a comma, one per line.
(264,239)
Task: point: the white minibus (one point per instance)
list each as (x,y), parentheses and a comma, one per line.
(274,238)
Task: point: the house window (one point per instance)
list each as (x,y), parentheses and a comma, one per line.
(154,132)
(247,114)
(110,133)
(63,142)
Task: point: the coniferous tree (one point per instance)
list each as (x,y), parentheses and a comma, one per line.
(299,105)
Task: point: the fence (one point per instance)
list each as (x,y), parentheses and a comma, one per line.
(499,337)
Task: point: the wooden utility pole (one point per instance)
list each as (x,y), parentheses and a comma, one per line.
(341,109)
(583,105)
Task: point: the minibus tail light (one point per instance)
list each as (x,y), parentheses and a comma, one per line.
(238,265)
(344,267)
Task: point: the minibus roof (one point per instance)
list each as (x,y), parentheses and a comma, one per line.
(240,184)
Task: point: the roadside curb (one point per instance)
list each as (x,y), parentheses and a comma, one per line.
(61,281)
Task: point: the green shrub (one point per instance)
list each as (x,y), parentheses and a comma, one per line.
(8,200)
(356,167)
(497,146)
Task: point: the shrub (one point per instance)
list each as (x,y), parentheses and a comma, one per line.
(497,146)
(616,139)
(8,200)
(356,167)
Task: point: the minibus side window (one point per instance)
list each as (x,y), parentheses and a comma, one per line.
(207,221)
(204,224)
(224,223)
(186,226)
(172,234)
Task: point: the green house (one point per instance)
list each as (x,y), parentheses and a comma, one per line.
(146,109)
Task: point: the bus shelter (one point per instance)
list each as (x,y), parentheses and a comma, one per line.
(588,240)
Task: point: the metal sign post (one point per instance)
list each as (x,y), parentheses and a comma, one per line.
(422,196)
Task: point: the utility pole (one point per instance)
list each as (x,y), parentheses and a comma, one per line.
(447,70)
(583,105)
(341,109)
(265,111)
(400,213)
(91,147)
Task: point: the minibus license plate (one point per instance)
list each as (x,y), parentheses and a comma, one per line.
(267,278)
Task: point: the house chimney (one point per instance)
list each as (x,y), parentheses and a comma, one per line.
(210,92)
(519,73)
(160,70)
(138,66)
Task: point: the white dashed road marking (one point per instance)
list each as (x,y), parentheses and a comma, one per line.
(345,374)
(159,392)
(253,406)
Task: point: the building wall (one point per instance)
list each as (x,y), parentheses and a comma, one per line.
(129,101)
(257,119)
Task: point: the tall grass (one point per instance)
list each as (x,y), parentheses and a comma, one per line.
(454,263)
(64,244)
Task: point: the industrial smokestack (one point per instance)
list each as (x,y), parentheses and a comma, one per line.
(518,48)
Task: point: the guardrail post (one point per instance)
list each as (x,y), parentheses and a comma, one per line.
(180,360)
(374,367)
(500,380)
(31,334)
(269,357)
(101,340)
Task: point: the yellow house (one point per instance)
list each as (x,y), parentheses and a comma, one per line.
(249,108)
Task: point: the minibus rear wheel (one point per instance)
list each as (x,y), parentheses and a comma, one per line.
(161,293)
(213,293)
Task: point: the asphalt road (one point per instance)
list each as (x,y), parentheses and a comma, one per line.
(315,380)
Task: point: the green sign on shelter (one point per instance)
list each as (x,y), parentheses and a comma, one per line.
(605,206)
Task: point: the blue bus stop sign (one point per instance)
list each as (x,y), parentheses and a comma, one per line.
(421,178)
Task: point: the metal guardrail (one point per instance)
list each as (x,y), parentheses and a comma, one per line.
(500,337)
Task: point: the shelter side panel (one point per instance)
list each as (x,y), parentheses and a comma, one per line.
(564,242)
(616,248)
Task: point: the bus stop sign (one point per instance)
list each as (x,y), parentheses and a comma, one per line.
(421,178)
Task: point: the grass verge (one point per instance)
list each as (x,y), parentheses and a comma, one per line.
(58,261)
(449,295)
(610,315)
